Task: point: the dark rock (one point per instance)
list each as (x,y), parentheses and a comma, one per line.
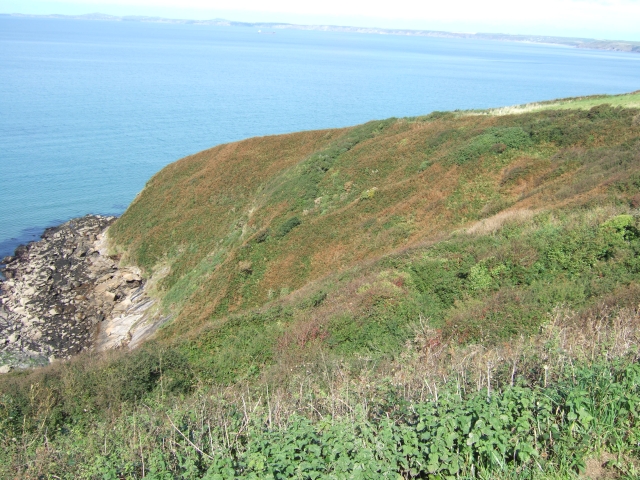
(69,309)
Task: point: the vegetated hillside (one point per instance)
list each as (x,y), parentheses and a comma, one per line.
(448,296)
(362,220)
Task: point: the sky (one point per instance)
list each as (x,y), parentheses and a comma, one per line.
(602,19)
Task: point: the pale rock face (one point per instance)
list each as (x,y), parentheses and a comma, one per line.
(64,294)
(131,277)
(5,369)
(35,335)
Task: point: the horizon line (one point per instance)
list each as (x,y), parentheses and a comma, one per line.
(572,41)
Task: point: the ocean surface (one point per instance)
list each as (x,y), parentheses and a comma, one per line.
(90,110)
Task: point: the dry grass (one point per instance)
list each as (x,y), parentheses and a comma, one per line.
(493,224)
(516,109)
(429,361)
(317,385)
(627,100)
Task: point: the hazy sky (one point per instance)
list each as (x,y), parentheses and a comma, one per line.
(610,19)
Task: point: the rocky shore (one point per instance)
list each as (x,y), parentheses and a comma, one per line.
(64,294)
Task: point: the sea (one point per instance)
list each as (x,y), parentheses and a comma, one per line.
(90,110)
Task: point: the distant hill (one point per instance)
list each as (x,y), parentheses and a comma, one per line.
(590,43)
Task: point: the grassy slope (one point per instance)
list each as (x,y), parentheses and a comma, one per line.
(353,273)
(217,223)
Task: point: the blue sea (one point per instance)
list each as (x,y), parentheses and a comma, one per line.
(90,110)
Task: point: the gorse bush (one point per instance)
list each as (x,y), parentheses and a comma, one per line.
(289,225)
(143,372)
(368,194)
(619,229)
(566,128)
(304,183)
(69,396)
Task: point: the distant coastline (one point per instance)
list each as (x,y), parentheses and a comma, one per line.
(576,42)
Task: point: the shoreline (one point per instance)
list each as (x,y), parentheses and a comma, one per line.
(625,46)
(64,294)
(34,233)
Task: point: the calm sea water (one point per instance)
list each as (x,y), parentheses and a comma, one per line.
(90,110)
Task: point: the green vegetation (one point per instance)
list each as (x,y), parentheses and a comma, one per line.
(289,225)
(449,296)
(542,407)
(493,140)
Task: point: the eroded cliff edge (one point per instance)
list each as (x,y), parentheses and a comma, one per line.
(64,294)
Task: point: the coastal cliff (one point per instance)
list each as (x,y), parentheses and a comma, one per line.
(243,225)
(448,296)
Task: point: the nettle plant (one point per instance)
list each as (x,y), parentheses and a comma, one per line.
(516,429)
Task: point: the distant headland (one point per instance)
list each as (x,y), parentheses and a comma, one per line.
(577,42)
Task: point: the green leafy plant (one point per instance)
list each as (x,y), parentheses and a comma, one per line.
(494,140)
(289,225)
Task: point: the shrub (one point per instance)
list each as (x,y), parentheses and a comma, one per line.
(495,140)
(604,111)
(143,371)
(439,115)
(262,236)
(317,299)
(621,227)
(289,225)
(367,194)
(424,165)
(479,277)
(513,174)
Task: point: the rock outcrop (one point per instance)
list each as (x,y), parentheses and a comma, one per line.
(64,294)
